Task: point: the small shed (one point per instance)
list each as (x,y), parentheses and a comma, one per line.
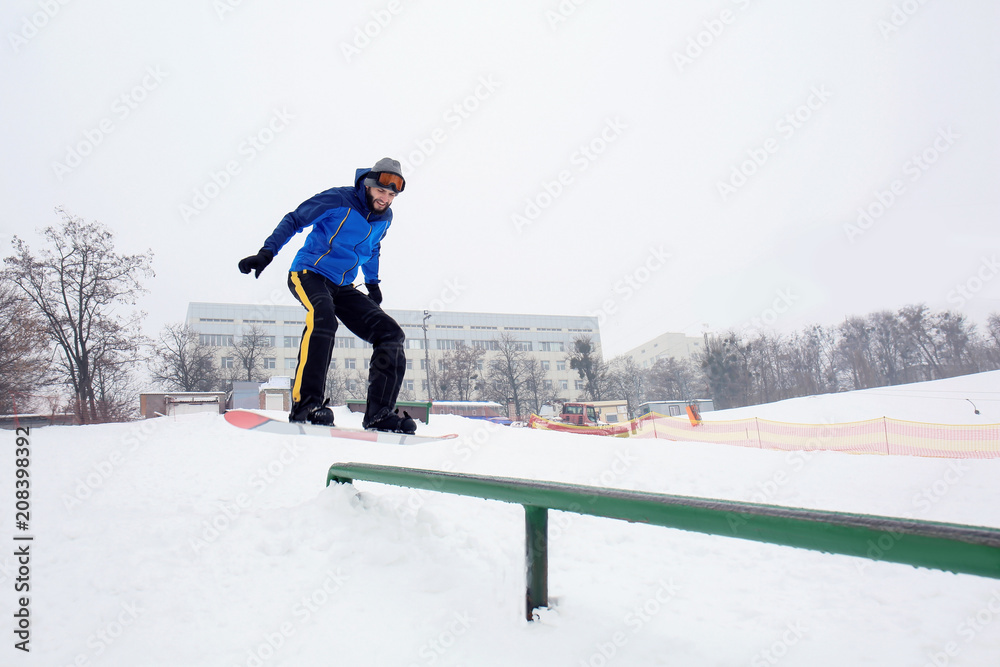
(181,403)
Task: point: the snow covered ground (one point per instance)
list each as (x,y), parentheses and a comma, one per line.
(188,542)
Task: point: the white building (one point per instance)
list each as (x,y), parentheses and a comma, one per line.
(548,338)
(677,345)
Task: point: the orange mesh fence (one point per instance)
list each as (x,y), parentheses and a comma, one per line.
(875,436)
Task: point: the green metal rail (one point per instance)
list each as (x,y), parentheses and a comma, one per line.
(942,546)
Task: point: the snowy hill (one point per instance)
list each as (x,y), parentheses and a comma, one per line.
(950,401)
(188,542)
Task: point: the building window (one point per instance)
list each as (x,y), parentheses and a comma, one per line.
(560,365)
(270,362)
(214,319)
(409,364)
(448,344)
(551,347)
(257,321)
(578,385)
(489,345)
(414,343)
(293,341)
(564,384)
(408,385)
(522,345)
(291,363)
(333,364)
(547,384)
(423,364)
(350,364)
(216,340)
(343,341)
(226,362)
(545,365)
(351,385)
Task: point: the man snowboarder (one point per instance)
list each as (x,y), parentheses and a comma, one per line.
(348,225)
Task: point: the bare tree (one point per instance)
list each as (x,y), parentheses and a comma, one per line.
(250,351)
(722,362)
(182,363)
(25,352)
(626,380)
(79,286)
(585,358)
(539,390)
(671,380)
(458,376)
(505,374)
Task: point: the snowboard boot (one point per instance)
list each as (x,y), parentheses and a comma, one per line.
(311,413)
(391,422)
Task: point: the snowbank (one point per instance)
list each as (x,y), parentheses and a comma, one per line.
(185,541)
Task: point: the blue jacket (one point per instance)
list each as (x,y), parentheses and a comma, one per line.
(345,234)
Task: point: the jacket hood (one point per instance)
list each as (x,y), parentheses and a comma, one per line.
(359,188)
(359,176)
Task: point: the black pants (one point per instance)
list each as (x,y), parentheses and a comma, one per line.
(325,302)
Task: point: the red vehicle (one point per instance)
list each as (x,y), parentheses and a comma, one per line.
(581,414)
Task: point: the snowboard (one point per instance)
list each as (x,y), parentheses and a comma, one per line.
(252,421)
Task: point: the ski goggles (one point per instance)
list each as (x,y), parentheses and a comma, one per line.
(390,181)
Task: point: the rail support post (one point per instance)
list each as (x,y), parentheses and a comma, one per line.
(536,541)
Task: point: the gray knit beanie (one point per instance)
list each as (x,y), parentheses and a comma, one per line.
(389,166)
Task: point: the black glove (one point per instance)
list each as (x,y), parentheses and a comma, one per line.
(374,293)
(256,262)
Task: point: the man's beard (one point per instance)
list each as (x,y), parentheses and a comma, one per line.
(371,204)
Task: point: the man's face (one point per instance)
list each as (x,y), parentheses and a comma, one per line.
(379,199)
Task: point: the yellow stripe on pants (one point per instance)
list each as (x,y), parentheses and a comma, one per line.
(306,335)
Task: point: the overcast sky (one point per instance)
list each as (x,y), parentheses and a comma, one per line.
(664,166)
